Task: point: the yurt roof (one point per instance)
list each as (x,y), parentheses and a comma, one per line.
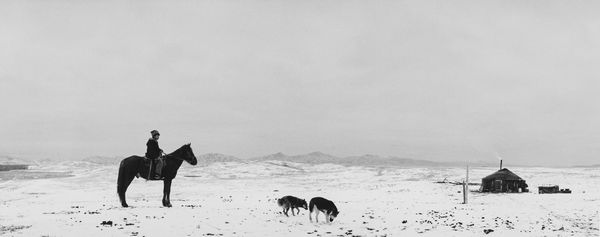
(503,174)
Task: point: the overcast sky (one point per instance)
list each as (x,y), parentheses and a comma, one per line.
(437,80)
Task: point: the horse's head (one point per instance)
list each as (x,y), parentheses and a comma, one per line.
(188,155)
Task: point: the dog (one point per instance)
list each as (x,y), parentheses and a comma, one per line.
(291,202)
(319,204)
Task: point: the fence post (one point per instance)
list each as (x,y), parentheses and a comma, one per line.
(466,188)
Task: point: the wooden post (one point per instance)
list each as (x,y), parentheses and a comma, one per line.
(467,191)
(466,188)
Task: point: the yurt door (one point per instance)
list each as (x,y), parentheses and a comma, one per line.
(498,185)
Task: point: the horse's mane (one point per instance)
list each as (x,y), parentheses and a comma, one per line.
(181,149)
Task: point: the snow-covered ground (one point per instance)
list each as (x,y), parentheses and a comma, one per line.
(239,199)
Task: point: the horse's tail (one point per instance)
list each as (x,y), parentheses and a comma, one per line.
(121,186)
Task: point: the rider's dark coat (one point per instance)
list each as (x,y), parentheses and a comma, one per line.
(152,149)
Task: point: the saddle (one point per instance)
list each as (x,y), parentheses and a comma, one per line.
(150,168)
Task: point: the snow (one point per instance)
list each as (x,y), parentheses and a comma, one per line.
(239,199)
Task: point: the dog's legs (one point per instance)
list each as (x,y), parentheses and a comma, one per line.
(310,216)
(327,218)
(317,216)
(286,211)
(293,214)
(298,210)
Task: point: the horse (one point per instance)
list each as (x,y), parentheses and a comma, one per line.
(131,166)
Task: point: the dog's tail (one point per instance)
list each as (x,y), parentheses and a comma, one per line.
(311,205)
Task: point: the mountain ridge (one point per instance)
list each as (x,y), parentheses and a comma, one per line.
(318,157)
(315,157)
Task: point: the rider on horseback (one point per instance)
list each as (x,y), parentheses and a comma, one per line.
(153,152)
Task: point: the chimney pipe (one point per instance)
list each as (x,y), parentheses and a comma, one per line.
(500,164)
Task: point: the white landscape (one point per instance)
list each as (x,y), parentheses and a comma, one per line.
(239,198)
(436,85)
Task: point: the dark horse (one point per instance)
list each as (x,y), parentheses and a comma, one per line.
(133,165)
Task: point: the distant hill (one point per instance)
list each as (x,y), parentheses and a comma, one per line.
(390,161)
(309,158)
(364,160)
(210,158)
(9,160)
(587,166)
(104,160)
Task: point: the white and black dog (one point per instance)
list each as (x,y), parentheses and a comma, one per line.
(319,204)
(292,202)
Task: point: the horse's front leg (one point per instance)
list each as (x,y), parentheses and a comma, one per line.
(167,193)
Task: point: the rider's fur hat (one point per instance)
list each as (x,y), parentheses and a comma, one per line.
(154,133)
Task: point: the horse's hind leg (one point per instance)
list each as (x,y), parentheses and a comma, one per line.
(166,201)
(122,188)
(125,177)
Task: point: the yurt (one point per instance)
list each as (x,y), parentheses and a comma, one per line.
(503,181)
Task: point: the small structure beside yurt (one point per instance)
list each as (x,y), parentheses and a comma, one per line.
(552,189)
(503,181)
